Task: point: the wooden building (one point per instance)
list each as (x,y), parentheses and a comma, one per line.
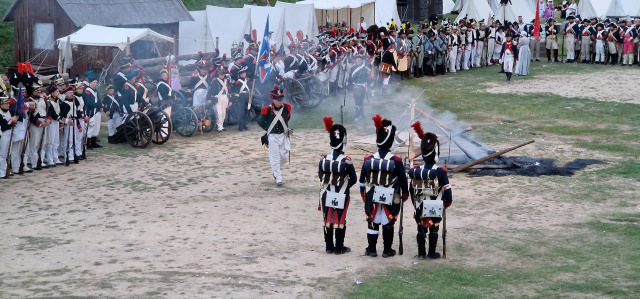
(38,23)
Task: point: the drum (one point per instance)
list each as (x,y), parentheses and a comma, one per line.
(403,64)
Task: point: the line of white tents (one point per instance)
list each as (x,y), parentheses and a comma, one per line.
(229,25)
(485,9)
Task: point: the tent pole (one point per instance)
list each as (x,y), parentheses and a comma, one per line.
(128,46)
(359,20)
(374,13)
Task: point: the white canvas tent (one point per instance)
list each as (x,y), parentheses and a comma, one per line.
(511,12)
(101,36)
(447,6)
(276,22)
(460,4)
(229,24)
(299,16)
(378,12)
(494,4)
(593,8)
(622,8)
(195,35)
(475,9)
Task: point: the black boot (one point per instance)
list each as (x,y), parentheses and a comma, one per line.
(372,239)
(95,143)
(387,240)
(548,55)
(340,248)
(555,55)
(90,143)
(420,238)
(433,241)
(328,239)
(614,59)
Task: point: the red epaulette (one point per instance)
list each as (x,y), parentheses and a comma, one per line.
(265,110)
(368,157)
(416,166)
(87,92)
(347,158)
(323,155)
(445,169)
(397,158)
(126,87)
(288,106)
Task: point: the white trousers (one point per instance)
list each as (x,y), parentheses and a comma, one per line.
(453,56)
(4,149)
(467,57)
(199,96)
(570,41)
(113,123)
(551,43)
(79,137)
(508,61)
(585,52)
(478,55)
(94,125)
(600,51)
(459,58)
(68,142)
(53,142)
(19,137)
(612,48)
(34,143)
(491,45)
(221,111)
(497,51)
(279,147)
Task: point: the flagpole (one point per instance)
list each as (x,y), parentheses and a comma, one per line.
(255,72)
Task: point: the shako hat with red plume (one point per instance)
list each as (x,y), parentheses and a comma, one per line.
(337,134)
(429,144)
(385,132)
(277,94)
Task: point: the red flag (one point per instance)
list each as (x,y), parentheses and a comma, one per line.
(536,23)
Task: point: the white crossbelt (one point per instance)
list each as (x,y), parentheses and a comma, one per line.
(277,119)
(201,82)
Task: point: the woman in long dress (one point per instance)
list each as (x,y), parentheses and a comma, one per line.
(548,13)
(524,56)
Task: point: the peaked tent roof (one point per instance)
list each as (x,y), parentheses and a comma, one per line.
(195,35)
(511,12)
(218,20)
(475,9)
(460,4)
(620,8)
(300,16)
(447,6)
(494,4)
(593,8)
(259,16)
(119,12)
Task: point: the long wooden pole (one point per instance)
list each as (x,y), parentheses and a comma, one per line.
(489,157)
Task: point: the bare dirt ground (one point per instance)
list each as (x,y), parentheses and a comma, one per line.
(201,217)
(615,84)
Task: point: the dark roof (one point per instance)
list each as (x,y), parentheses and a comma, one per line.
(120,12)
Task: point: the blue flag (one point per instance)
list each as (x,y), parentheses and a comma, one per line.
(20,105)
(264,61)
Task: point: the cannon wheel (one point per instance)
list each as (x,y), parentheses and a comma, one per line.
(294,92)
(137,130)
(161,128)
(185,121)
(210,118)
(316,92)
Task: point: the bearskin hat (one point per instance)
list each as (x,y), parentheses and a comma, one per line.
(429,144)
(337,134)
(385,132)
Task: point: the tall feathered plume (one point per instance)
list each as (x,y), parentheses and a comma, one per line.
(328,124)
(290,37)
(418,128)
(299,35)
(377,121)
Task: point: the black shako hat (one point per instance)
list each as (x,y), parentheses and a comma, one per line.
(337,134)
(385,132)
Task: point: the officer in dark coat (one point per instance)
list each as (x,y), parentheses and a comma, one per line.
(359,78)
(129,94)
(337,175)
(383,187)
(430,193)
(240,90)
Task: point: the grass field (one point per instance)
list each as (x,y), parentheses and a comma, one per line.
(599,258)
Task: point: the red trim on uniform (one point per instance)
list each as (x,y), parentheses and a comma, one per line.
(264,110)
(364,198)
(446,187)
(397,158)
(368,157)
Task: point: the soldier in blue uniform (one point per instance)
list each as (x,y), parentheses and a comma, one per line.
(129,94)
(240,90)
(337,175)
(359,77)
(93,107)
(383,187)
(430,193)
(111,104)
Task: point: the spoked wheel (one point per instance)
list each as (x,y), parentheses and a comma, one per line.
(294,92)
(316,92)
(161,127)
(209,120)
(185,121)
(138,129)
